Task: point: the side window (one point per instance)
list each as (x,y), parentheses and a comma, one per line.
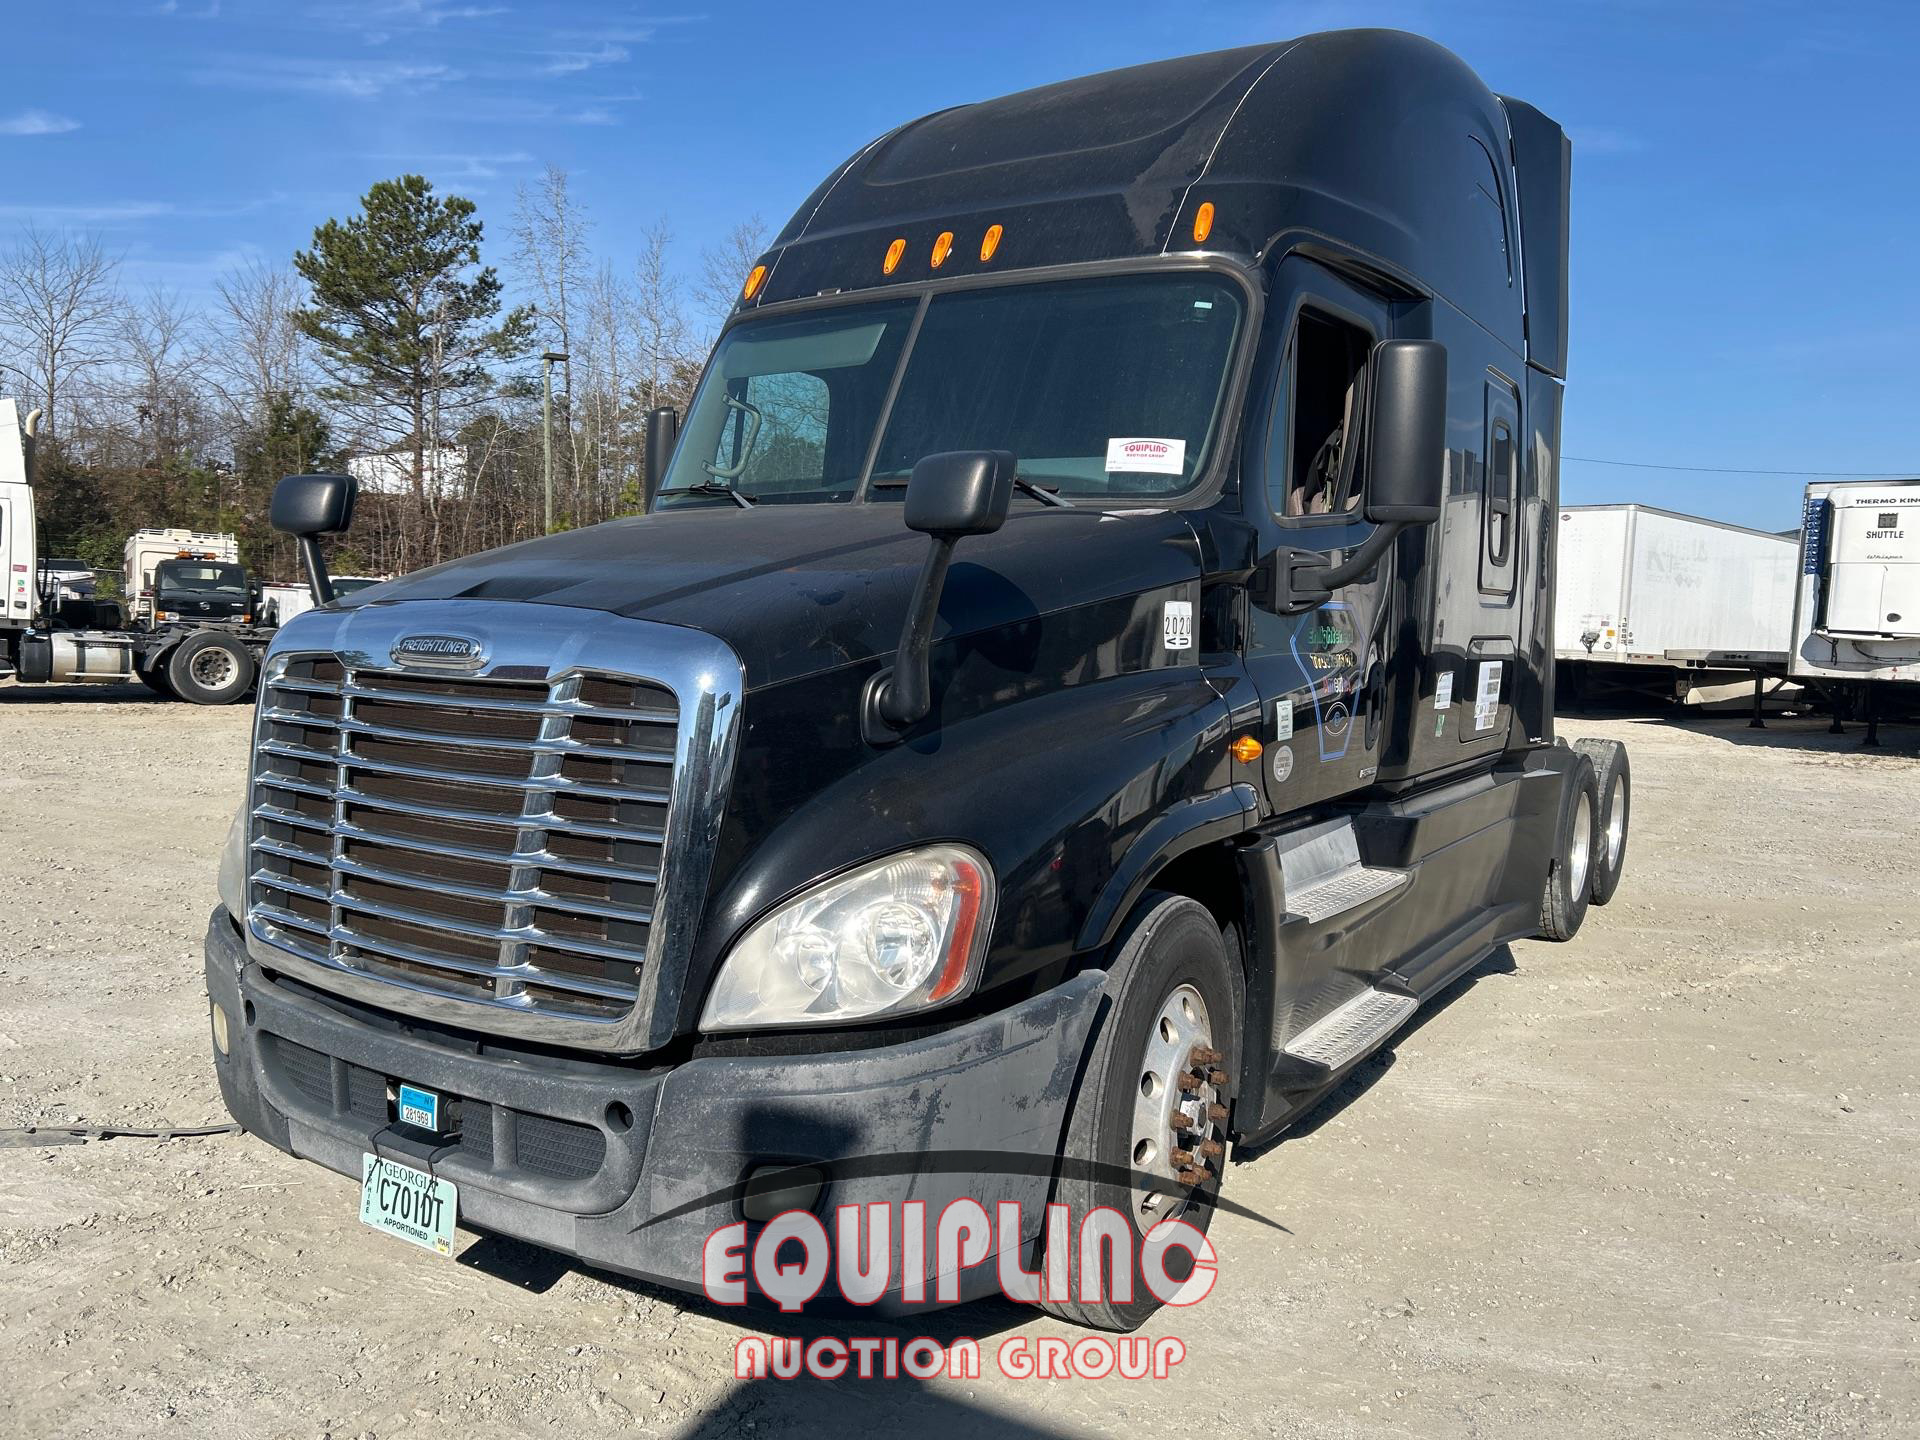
(775,438)
(1499,485)
(1490,208)
(1317,470)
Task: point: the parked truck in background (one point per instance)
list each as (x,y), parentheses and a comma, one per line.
(147,550)
(201,643)
(1084,681)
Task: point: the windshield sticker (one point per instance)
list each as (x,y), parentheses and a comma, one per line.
(1443,692)
(1137,455)
(1176,624)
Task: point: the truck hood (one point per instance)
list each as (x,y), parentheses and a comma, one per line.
(798,589)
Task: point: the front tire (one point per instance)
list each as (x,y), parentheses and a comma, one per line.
(210,669)
(1174,992)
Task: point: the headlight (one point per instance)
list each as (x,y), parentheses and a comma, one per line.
(233,866)
(899,934)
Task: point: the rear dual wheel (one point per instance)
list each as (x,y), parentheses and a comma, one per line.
(1569,887)
(1614,780)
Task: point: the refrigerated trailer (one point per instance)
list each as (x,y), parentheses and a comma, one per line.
(1856,608)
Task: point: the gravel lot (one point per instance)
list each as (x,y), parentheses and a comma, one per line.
(1658,1181)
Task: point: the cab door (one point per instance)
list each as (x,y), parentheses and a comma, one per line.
(1320,673)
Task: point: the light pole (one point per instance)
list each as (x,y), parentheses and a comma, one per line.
(547,362)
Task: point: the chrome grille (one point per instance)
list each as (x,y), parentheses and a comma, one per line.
(498,840)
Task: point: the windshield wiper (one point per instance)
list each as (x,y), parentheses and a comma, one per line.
(714,487)
(1020,482)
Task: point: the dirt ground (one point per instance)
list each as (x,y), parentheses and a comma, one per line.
(1658,1181)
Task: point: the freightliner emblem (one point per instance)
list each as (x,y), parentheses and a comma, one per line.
(439,652)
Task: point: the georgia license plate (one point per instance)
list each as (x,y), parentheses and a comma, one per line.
(410,1203)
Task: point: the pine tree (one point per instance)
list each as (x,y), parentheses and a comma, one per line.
(405,318)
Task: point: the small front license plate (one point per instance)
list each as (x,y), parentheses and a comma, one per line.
(407,1202)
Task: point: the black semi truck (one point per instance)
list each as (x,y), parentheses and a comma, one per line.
(1083,682)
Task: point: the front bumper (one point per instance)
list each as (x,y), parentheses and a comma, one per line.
(593,1159)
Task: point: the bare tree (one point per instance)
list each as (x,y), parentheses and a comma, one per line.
(58,303)
(724,269)
(260,353)
(663,335)
(551,257)
(156,343)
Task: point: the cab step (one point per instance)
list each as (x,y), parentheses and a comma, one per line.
(1352,1030)
(1321,869)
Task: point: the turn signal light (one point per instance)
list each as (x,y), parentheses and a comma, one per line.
(755,278)
(942,248)
(990,242)
(894,252)
(1246,749)
(1203,223)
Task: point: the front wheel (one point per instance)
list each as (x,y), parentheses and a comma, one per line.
(210,669)
(1153,1097)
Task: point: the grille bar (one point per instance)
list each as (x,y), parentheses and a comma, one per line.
(543,885)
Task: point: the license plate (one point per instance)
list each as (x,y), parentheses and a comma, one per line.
(407,1202)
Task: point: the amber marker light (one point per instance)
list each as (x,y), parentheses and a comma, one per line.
(990,242)
(755,278)
(942,248)
(894,252)
(1203,223)
(1246,749)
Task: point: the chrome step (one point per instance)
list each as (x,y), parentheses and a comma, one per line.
(1353,1029)
(1322,872)
(1342,890)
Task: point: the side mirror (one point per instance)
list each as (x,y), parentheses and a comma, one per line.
(1406,434)
(307,507)
(949,496)
(961,492)
(663,430)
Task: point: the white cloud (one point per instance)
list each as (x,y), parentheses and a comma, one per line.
(352,79)
(571,62)
(37,122)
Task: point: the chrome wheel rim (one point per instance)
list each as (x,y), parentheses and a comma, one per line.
(1580,852)
(213,668)
(1181,1026)
(1616,824)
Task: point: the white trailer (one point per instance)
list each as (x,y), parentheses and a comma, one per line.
(1660,597)
(1856,613)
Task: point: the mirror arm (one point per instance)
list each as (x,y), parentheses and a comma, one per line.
(318,581)
(901,697)
(1307,580)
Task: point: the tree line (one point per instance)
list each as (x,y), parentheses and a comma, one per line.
(390,336)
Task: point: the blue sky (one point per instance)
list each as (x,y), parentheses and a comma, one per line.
(1746,213)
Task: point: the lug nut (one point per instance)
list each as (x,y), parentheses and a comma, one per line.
(1180,1124)
(1203,1056)
(1188,1082)
(1181,1159)
(1195,1176)
(1212,1149)
(1217,1113)
(1216,1077)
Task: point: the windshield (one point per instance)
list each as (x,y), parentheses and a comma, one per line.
(349,584)
(199,575)
(1109,388)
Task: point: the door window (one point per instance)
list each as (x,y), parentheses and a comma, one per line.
(1317,470)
